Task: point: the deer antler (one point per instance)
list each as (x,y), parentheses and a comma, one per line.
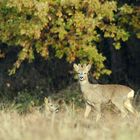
(84,65)
(79,65)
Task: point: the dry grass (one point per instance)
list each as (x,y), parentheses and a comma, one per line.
(67,125)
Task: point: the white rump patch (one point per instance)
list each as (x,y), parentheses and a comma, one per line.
(130,94)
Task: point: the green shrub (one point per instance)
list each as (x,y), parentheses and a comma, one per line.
(26,101)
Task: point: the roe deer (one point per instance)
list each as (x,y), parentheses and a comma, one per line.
(51,106)
(96,94)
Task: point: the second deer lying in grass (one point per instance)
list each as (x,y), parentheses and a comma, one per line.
(96,94)
(51,106)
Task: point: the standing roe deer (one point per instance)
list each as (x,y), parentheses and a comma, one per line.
(96,94)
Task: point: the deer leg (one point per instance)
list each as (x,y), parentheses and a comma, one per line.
(121,107)
(129,107)
(98,110)
(87,111)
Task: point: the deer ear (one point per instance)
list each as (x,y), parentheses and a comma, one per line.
(76,67)
(49,99)
(88,67)
(46,100)
(60,101)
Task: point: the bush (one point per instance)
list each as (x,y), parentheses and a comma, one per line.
(25,102)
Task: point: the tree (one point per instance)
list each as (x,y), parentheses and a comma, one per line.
(75,29)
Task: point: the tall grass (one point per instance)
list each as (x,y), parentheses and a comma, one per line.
(66,125)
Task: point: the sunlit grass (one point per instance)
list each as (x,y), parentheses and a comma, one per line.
(66,125)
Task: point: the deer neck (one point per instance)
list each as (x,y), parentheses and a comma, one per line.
(84,83)
(86,86)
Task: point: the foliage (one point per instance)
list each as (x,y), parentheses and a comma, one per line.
(25,102)
(75,29)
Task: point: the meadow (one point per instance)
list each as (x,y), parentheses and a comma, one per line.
(68,124)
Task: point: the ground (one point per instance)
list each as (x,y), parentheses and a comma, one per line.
(67,125)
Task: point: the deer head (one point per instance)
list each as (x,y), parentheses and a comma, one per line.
(82,71)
